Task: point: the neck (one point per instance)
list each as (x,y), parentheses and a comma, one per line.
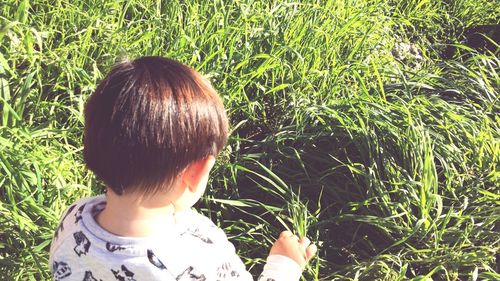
(128,215)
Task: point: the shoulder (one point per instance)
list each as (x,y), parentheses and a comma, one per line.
(74,211)
(198,225)
(194,217)
(208,248)
(70,219)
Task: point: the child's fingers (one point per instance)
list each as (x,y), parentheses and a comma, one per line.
(285,234)
(288,234)
(304,242)
(311,251)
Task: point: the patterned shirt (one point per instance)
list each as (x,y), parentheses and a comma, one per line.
(193,249)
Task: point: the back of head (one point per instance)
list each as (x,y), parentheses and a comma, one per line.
(148,120)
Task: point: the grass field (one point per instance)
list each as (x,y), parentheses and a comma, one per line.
(348,125)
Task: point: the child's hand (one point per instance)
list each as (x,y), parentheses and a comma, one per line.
(289,245)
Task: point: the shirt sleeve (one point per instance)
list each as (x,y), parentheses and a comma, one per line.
(280,268)
(277,267)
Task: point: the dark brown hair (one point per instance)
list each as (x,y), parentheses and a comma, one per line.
(148,120)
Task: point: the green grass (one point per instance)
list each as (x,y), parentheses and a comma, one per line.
(390,163)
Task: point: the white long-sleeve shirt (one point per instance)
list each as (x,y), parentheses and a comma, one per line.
(194,248)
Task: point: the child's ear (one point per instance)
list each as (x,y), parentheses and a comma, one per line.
(197,172)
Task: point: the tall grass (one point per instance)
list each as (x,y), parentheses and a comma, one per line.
(388,161)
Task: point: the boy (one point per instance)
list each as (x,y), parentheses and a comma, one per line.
(152,130)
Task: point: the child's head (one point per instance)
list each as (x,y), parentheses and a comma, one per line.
(147,121)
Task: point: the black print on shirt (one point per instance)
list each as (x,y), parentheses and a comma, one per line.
(267,279)
(225,272)
(124,274)
(89,277)
(61,270)
(155,261)
(82,243)
(60,228)
(78,214)
(196,233)
(190,275)
(114,247)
